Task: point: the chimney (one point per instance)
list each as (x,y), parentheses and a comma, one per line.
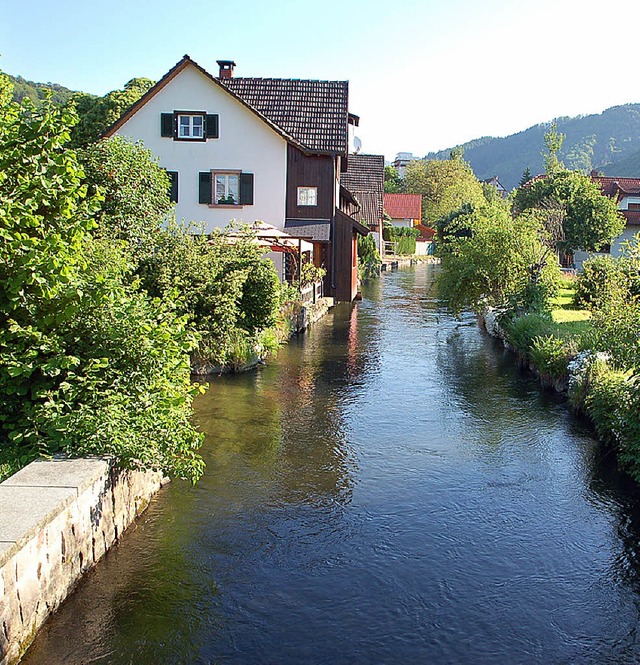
(226,68)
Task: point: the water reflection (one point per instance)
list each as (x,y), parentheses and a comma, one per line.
(391,489)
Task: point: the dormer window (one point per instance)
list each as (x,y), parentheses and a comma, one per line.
(191,126)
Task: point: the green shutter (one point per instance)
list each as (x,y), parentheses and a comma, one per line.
(173,189)
(205,187)
(166,124)
(213,126)
(246,189)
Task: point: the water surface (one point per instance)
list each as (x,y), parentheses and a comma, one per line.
(392,489)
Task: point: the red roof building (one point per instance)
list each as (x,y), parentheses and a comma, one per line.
(404,209)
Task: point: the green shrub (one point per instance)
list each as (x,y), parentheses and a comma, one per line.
(87,362)
(368,258)
(551,355)
(523,330)
(597,273)
(406,246)
(228,292)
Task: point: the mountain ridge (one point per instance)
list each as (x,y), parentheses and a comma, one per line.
(593,141)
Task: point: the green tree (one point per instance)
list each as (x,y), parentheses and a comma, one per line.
(87,362)
(583,217)
(134,190)
(445,186)
(97,114)
(526,176)
(393,183)
(495,261)
(553,141)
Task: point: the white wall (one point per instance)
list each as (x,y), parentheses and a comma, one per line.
(246,143)
(402,223)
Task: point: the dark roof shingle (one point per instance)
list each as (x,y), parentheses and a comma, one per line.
(364,178)
(315,113)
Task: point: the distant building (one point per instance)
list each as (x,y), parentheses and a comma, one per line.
(401,161)
(404,209)
(494,182)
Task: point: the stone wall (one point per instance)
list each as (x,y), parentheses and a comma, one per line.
(57,519)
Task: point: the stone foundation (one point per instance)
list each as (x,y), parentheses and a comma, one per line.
(57,519)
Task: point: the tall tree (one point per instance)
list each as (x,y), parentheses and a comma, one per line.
(553,140)
(97,114)
(393,183)
(445,186)
(526,176)
(581,216)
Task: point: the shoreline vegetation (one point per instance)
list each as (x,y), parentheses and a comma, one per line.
(580,334)
(106,301)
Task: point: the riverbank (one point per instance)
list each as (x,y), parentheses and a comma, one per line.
(339,522)
(58,518)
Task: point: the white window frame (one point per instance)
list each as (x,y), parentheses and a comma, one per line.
(304,198)
(191,117)
(214,185)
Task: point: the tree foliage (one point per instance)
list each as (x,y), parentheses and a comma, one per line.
(87,362)
(228,292)
(97,114)
(445,186)
(393,183)
(590,219)
(133,190)
(495,261)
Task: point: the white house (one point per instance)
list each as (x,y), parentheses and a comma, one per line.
(247,149)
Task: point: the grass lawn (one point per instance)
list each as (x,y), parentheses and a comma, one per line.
(569,320)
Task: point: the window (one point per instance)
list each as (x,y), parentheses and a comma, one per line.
(307,196)
(225,188)
(633,206)
(190,127)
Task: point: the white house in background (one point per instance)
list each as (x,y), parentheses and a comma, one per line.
(247,149)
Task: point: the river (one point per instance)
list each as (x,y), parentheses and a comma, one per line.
(391,489)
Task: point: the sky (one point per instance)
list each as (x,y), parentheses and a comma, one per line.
(423,75)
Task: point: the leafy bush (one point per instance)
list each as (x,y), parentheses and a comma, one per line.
(134,191)
(368,258)
(406,246)
(87,362)
(615,327)
(523,330)
(551,355)
(228,292)
(597,273)
(496,261)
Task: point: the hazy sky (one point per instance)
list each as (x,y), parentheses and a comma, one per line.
(424,75)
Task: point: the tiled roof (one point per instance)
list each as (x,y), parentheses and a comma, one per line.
(426,232)
(616,186)
(316,229)
(403,206)
(315,113)
(364,178)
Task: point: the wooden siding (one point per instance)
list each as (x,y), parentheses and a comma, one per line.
(309,171)
(344,245)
